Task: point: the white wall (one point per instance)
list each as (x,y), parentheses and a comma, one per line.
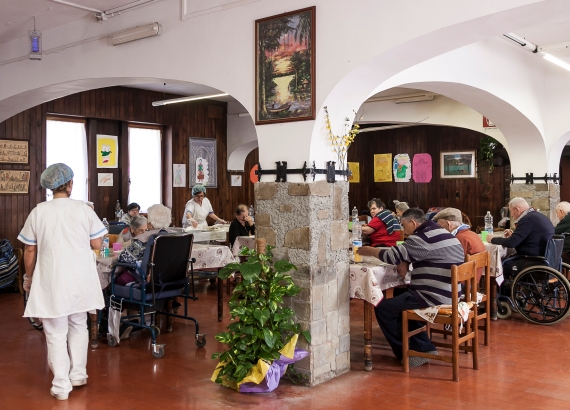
(360,44)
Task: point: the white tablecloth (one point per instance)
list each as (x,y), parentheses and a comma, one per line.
(369,278)
(496,252)
(242,241)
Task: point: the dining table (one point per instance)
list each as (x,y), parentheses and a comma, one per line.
(243,241)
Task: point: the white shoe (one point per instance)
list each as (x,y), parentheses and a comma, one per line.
(59,396)
(78,383)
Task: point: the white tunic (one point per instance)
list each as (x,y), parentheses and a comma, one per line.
(65,279)
(199,212)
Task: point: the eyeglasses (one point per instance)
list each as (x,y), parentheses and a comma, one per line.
(199,196)
(140,231)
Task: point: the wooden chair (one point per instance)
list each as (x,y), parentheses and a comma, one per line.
(463,273)
(112,239)
(465,218)
(483,260)
(363,218)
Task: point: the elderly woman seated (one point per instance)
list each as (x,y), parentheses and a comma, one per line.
(138,226)
(242,225)
(159,218)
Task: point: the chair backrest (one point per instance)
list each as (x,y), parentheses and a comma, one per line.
(363,218)
(464,273)
(465,218)
(553,252)
(170,257)
(481,259)
(116,229)
(112,239)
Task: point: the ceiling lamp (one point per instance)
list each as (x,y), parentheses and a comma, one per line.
(542,50)
(404,98)
(190,98)
(136,33)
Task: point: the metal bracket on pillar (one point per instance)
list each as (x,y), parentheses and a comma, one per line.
(529,178)
(330,171)
(281,171)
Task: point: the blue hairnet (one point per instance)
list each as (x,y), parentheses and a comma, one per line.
(196,189)
(56,175)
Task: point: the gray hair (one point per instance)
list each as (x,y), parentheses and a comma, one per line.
(563,206)
(402,206)
(414,213)
(137,222)
(518,202)
(159,216)
(455,224)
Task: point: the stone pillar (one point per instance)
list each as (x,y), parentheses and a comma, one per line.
(543,197)
(307,223)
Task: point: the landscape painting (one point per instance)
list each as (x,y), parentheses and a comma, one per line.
(285,67)
(458,164)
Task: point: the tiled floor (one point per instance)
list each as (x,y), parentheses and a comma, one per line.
(527,366)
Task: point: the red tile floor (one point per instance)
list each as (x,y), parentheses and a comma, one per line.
(526,366)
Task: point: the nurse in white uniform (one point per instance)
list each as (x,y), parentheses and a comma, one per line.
(198,209)
(61,276)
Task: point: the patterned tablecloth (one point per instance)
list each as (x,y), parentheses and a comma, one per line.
(207,256)
(242,241)
(496,252)
(369,278)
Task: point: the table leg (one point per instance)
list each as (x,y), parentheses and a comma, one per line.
(220,299)
(93,330)
(493,300)
(367,336)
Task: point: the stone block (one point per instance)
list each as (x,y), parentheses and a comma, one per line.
(339,235)
(320,188)
(342,363)
(332,295)
(332,325)
(337,203)
(319,355)
(317,301)
(523,194)
(322,373)
(303,272)
(262,219)
(287,208)
(323,214)
(281,254)
(541,187)
(343,324)
(265,190)
(344,343)
(322,249)
(554,191)
(301,308)
(541,203)
(298,238)
(298,189)
(318,332)
(267,233)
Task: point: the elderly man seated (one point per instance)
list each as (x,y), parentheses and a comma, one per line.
(432,250)
(563,227)
(451,220)
(530,237)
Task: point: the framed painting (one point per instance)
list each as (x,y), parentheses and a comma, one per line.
(203,162)
(14,152)
(458,164)
(285,67)
(179,175)
(107,151)
(14,182)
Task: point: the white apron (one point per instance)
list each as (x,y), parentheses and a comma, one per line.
(199,213)
(65,279)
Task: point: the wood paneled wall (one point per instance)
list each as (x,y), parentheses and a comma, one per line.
(473,196)
(108,111)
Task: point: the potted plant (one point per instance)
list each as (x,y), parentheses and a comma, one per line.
(261,339)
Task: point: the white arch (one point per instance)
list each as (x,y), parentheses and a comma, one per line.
(236,159)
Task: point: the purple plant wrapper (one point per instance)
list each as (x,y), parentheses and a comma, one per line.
(274,374)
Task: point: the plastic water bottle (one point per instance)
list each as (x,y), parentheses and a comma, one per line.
(104,251)
(489,223)
(354,214)
(118,211)
(251,212)
(356,240)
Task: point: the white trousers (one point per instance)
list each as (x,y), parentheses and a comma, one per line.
(67,343)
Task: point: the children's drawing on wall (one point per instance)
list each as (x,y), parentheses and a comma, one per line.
(383,168)
(422,168)
(202,171)
(402,168)
(178,175)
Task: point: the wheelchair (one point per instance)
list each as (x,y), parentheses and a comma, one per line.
(536,287)
(168,264)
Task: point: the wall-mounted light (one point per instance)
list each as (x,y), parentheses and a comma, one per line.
(185,99)
(136,33)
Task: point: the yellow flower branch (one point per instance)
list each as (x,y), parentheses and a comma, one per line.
(340,144)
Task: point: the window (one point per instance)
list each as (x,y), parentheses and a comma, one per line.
(66,141)
(145,165)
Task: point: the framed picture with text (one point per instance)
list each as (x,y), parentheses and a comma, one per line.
(14,152)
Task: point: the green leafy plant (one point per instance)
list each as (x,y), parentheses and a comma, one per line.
(487,145)
(261,326)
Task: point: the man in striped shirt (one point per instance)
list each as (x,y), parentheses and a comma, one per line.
(431,250)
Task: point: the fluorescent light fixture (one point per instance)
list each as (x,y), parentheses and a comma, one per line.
(136,33)
(190,98)
(556,61)
(554,47)
(522,42)
(404,98)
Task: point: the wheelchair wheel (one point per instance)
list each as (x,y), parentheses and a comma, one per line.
(200,340)
(504,310)
(34,321)
(540,294)
(566,270)
(157,351)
